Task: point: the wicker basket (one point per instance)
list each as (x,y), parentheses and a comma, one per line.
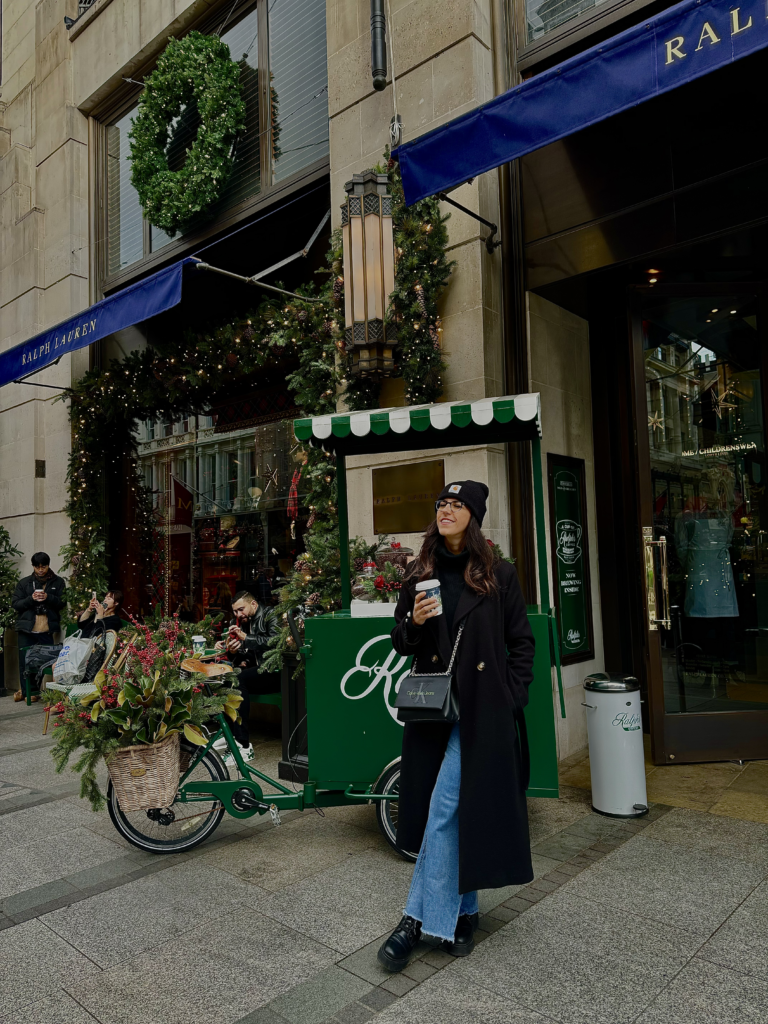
(147,775)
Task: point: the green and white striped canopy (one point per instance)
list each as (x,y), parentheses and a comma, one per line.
(443,425)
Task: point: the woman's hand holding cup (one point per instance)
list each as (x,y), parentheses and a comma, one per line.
(424,608)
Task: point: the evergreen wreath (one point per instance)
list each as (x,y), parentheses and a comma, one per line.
(196,69)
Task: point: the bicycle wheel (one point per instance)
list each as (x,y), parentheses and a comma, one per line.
(180,827)
(386,810)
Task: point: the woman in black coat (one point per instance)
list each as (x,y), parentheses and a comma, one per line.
(462,787)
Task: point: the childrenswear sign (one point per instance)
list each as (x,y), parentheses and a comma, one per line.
(570,565)
(658,54)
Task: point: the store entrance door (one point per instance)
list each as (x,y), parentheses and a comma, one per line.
(698,365)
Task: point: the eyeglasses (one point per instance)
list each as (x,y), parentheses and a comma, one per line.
(454,506)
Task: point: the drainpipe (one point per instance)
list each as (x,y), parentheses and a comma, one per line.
(378,45)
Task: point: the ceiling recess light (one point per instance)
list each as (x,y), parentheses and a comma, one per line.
(713,311)
(733,312)
(654,271)
(652,280)
(709,321)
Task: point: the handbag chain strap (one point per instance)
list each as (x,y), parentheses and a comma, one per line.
(450,663)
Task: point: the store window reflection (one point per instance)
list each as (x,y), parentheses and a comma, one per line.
(223,497)
(708,467)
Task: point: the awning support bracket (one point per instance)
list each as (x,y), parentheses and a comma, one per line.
(491,243)
(256,278)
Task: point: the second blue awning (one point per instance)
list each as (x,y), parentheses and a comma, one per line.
(671,49)
(137,302)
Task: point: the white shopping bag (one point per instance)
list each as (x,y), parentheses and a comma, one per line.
(72,660)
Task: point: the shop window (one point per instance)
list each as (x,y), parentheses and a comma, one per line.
(278,142)
(544,16)
(246,525)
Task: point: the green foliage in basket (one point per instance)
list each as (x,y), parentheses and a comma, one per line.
(145,698)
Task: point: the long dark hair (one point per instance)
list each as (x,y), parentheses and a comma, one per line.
(479,574)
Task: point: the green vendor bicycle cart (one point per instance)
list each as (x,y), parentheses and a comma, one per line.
(344,708)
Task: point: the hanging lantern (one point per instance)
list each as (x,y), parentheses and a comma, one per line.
(369,274)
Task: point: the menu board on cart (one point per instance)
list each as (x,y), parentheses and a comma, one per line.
(570,557)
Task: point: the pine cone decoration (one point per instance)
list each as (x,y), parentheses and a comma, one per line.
(247,334)
(328,326)
(420,298)
(313,598)
(231,359)
(358,564)
(338,291)
(302,316)
(301,565)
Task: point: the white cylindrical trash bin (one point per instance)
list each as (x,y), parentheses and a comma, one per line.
(616,760)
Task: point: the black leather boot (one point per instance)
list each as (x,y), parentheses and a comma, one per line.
(398,949)
(464,937)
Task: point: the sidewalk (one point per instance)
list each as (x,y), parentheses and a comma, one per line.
(663,920)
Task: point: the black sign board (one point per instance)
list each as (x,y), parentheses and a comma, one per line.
(570,557)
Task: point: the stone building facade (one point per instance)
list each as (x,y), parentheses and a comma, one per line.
(58,80)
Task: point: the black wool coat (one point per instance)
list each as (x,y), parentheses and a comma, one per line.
(493,669)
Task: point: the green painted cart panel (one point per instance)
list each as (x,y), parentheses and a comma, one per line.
(352,671)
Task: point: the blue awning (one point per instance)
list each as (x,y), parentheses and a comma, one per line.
(679,45)
(137,302)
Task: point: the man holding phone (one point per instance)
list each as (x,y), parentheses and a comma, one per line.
(37,599)
(246,643)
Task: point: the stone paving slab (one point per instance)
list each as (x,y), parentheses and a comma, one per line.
(447,999)
(121,923)
(741,942)
(36,963)
(685,888)
(320,998)
(710,833)
(704,993)
(215,975)
(348,905)
(60,1008)
(579,961)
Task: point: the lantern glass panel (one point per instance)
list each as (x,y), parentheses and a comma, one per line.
(358,276)
(373,278)
(388,258)
(348,284)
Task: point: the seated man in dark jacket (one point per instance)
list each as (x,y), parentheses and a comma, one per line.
(37,600)
(246,643)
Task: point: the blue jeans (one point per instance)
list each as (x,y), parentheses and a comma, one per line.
(434,897)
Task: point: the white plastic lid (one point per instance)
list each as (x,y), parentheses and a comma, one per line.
(427,584)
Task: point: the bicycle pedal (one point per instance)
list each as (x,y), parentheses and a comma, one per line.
(275,814)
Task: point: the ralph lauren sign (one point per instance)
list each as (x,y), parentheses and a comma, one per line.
(130,306)
(658,54)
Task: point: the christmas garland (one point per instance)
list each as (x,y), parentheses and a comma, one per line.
(172,380)
(196,69)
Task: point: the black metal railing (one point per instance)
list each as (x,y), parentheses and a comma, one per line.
(83,6)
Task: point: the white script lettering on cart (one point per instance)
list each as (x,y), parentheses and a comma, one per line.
(386,671)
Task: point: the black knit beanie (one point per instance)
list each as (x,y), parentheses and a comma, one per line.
(471,492)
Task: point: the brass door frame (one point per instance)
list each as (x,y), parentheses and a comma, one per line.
(696,736)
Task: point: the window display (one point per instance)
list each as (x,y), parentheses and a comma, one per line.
(231,504)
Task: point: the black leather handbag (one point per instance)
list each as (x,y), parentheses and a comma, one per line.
(428,696)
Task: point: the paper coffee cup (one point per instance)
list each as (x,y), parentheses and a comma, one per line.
(198,644)
(432,589)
